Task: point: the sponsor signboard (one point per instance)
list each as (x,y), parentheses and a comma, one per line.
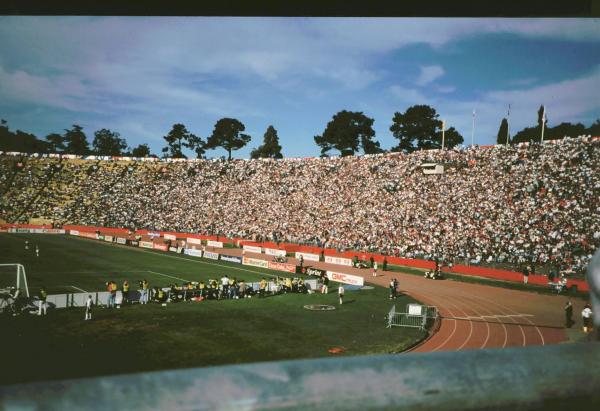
(52,231)
(73,232)
(415,309)
(162,247)
(173,249)
(153,234)
(170,237)
(211,255)
(218,244)
(89,235)
(100,237)
(121,240)
(252,249)
(36,230)
(307,256)
(134,243)
(290,268)
(255,262)
(345,278)
(275,251)
(193,252)
(108,238)
(191,240)
(314,271)
(231,258)
(146,244)
(338,260)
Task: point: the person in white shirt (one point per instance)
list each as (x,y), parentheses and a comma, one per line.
(88,308)
(375,269)
(586,315)
(341,294)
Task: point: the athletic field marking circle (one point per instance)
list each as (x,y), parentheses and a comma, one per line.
(319,307)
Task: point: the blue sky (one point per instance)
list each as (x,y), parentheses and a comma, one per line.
(140,75)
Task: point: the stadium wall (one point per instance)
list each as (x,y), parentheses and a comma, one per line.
(477,271)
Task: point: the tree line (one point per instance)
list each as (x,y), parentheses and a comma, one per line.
(348,132)
(534,133)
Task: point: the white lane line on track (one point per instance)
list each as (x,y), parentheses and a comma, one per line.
(504,308)
(483,317)
(77,288)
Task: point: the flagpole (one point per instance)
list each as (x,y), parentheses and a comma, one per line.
(443,133)
(543,123)
(508,125)
(473,129)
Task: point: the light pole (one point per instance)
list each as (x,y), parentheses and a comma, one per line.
(543,123)
(443,133)
(473,129)
(508,125)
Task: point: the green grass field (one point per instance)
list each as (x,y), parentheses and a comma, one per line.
(186,334)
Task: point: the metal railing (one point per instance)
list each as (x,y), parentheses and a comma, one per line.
(425,318)
(545,378)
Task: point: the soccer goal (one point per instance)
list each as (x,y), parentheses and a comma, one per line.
(13,276)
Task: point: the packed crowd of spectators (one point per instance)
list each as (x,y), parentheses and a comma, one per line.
(537,203)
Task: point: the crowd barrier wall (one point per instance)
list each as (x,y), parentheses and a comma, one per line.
(492,273)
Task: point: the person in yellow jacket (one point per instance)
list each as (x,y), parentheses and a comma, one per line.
(262,285)
(125,292)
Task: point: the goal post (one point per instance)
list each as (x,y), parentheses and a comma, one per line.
(13,275)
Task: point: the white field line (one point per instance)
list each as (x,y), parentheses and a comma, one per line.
(205,262)
(93,272)
(167,275)
(182,258)
(77,288)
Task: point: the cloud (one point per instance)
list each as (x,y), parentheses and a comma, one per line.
(445,89)
(429,74)
(408,95)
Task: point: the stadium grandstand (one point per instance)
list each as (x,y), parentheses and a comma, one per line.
(502,205)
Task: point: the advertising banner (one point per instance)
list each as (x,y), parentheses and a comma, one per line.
(170,237)
(255,262)
(145,244)
(52,231)
(314,271)
(275,251)
(307,256)
(173,249)
(162,247)
(193,252)
(290,268)
(345,278)
(108,238)
(338,260)
(217,244)
(73,232)
(231,258)
(252,249)
(191,240)
(121,240)
(153,234)
(134,243)
(89,235)
(211,255)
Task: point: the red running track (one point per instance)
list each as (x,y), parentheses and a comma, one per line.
(475,316)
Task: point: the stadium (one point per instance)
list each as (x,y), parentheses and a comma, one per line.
(425,276)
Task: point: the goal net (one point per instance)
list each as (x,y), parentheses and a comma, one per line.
(12,277)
